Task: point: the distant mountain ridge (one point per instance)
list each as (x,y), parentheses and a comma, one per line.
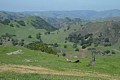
(83,14)
(11,15)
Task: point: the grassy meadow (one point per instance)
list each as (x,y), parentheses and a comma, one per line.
(106,65)
(37,65)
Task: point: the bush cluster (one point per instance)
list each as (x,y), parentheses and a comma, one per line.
(42,47)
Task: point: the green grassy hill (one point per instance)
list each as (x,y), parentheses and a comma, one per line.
(37,65)
(31,64)
(24,27)
(102,30)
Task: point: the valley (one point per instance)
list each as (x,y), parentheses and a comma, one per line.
(33,47)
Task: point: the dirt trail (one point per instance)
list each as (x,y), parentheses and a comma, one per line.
(41,70)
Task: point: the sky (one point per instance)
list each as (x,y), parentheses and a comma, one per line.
(58,5)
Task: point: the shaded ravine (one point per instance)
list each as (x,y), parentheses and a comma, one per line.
(41,70)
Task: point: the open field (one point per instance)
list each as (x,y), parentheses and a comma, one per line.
(36,64)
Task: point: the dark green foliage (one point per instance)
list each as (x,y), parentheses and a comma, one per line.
(107,51)
(48,32)
(21,43)
(68,27)
(106,39)
(84,46)
(65,46)
(63,54)
(84,41)
(64,30)
(107,44)
(17,26)
(21,22)
(113,52)
(76,49)
(42,47)
(6,35)
(74,38)
(11,25)
(95,44)
(55,45)
(65,41)
(1,42)
(66,38)
(29,36)
(5,22)
(38,36)
(14,42)
(39,23)
(74,45)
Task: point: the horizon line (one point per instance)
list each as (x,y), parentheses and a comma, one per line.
(58,10)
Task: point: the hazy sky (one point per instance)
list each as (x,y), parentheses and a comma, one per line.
(52,5)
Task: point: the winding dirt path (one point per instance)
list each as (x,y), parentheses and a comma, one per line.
(41,70)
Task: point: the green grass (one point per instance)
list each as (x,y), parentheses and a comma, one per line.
(18,76)
(60,37)
(105,64)
(24,32)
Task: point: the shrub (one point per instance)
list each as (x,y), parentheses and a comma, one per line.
(65,41)
(63,54)
(84,46)
(6,22)
(29,36)
(76,49)
(113,52)
(107,51)
(42,47)
(22,23)
(11,25)
(74,45)
(55,45)
(65,46)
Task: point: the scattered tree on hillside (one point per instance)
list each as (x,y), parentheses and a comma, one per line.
(55,45)
(74,45)
(68,27)
(11,25)
(38,36)
(76,49)
(29,36)
(21,22)
(1,42)
(65,41)
(5,22)
(17,25)
(21,43)
(63,54)
(65,46)
(14,42)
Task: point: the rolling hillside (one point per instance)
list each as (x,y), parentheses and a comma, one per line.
(22,28)
(101,32)
(11,15)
